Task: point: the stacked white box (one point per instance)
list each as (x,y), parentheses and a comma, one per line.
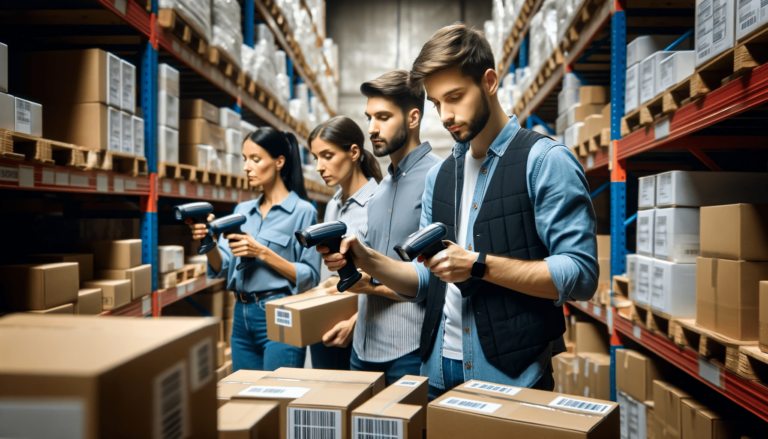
(645,226)
(567,98)
(126,138)
(650,77)
(676,68)
(676,234)
(646,197)
(128,86)
(138,136)
(673,288)
(561,123)
(168,110)
(115,79)
(3,68)
(228,118)
(167,145)
(28,117)
(572,134)
(168,80)
(715,28)
(701,188)
(206,156)
(643,284)
(233,164)
(7,112)
(642,47)
(233,138)
(750,15)
(632,89)
(115,130)
(632,275)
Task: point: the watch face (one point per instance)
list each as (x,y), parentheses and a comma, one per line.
(478,269)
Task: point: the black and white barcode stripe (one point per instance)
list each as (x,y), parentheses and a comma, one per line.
(204,360)
(465,403)
(372,428)
(283,317)
(266,390)
(491,387)
(314,424)
(582,405)
(172,416)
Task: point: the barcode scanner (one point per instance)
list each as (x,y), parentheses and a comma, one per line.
(329,234)
(198,213)
(228,225)
(427,241)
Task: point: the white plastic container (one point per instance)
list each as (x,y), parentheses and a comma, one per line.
(167,145)
(646,197)
(715,33)
(650,76)
(642,47)
(673,288)
(676,68)
(632,89)
(676,234)
(702,188)
(645,231)
(168,80)
(644,271)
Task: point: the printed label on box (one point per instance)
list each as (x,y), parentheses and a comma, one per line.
(283,317)
(407,383)
(469,404)
(170,403)
(577,404)
(364,427)
(23,116)
(201,363)
(9,174)
(643,282)
(664,189)
(64,417)
(114,90)
(313,423)
(661,236)
(507,390)
(657,289)
(275,391)
(115,130)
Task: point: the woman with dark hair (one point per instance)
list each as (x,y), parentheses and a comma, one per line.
(338,147)
(283,267)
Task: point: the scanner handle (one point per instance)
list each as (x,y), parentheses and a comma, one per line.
(434,248)
(348,274)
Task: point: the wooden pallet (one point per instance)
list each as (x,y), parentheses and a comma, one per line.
(18,146)
(173,278)
(659,323)
(621,286)
(710,344)
(226,65)
(121,163)
(753,364)
(176,23)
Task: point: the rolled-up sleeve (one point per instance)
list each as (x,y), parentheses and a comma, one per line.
(565,220)
(307,259)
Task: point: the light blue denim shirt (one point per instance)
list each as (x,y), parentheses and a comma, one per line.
(275,231)
(565,222)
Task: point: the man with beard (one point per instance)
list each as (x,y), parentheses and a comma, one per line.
(518,213)
(386,327)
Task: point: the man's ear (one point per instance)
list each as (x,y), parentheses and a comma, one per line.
(414,117)
(491,81)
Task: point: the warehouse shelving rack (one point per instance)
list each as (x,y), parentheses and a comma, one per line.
(150,189)
(691,137)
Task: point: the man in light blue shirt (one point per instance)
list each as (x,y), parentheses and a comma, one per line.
(521,226)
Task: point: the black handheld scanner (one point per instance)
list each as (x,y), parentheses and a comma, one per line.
(228,225)
(427,241)
(198,213)
(329,234)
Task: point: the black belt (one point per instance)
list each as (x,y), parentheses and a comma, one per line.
(256,297)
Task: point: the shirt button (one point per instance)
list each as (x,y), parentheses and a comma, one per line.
(466,330)
(389,211)
(475,206)
(470,246)
(485,170)
(469,365)
(394,184)
(387,238)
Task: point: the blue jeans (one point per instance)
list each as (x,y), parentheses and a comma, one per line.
(330,357)
(408,364)
(251,349)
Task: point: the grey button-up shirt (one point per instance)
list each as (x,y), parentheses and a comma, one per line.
(387,329)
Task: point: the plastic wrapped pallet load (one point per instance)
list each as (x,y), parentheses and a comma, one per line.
(264,66)
(226,32)
(282,81)
(196,12)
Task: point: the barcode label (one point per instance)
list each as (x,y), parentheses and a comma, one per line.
(692,251)
(576,404)
(275,391)
(170,403)
(657,289)
(201,363)
(407,383)
(314,424)
(493,388)
(376,428)
(113,87)
(23,116)
(127,133)
(115,130)
(283,318)
(468,404)
(661,235)
(663,189)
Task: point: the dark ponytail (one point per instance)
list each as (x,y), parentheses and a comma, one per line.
(278,143)
(344,132)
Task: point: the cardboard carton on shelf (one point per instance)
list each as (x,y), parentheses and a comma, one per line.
(715,28)
(7,112)
(170,258)
(84,262)
(29,118)
(200,156)
(117,255)
(138,136)
(699,422)
(168,80)
(89,302)
(114,293)
(140,277)
(128,87)
(676,68)
(632,276)
(118,377)
(469,409)
(594,94)
(167,145)
(39,286)
(199,109)
(646,221)
(400,409)
(228,118)
(579,112)
(168,110)
(646,198)
(568,97)
(92,125)
(635,374)
(220,347)
(728,297)
(643,280)
(735,231)
(751,15)
(589,337)
(3,68)
(644,46)
(595,371)
(673,288)
(202,132)
(650,75)
(634,417)
(66,309)
(667,405)
(249,419)
(676,234)
(701,188)
(564,372)
(632,89)
(126,133)
(303,319)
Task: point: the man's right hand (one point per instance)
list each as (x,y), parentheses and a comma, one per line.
(200,230)
(351,245)
(341,334)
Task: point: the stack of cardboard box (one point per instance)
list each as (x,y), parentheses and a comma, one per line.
(592,101)
(119,272)
(200,136)
(17,114)
(170,259)
(680,416)
(585,371)
(168,93)
(635,375)
(638,50)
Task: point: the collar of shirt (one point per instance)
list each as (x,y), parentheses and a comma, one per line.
(499,145)
(411,159)
(360,197)
(288,204)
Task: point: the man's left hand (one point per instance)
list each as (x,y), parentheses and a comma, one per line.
(452,265)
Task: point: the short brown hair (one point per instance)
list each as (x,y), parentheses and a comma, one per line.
(394,85)
(453,46)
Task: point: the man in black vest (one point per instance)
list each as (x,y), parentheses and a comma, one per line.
(521,226)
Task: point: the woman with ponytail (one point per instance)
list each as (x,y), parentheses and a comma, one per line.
(283,267)
(342,160)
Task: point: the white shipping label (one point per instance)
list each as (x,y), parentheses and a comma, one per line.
(647,91)
(667,70)
(102,182)
(200,190)
(9,173)
(114,90)
(703,29)
(127,134)
(131,185)
(364,427)
(661,129)
(80,180)
(662,239)
(576,404)
(146,305)
(275,391)
(586,368)
(167,187)
(119,184)
(181,290)
(128,81)
(643,282)
(597,311)
(632,92)
(49,176)
(314,424)
(26,176)
(283,317)
(507,390)
(637,332)
(62,178)
(709,371)
(664,188)
(407,383)
(643,234)
(170,416)
(657,289)
(201,363)
(115,128)
(23,116)
(63,418)
(183,189)
(469,404)
(719,21)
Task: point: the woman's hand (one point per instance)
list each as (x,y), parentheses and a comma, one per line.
(244,246)
(200,230)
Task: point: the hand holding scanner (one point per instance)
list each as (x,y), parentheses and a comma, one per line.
(198,213)
(228,225)
(427,241)
(329,234)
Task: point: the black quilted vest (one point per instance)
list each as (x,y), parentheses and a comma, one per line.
(514,328)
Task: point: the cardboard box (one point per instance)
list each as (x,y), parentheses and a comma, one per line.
(201,131)
(224,370)
(234,383)
(302,319)
(118,377)
(168,80)
(652,429)
(728,297)
(646,197)
(699,422)
(201,156)
(29,118)
(594,94)
(750,16)
(73,77)
(39,286)
(89,302)
(233,164)
(228,118)
(92,125)
(117,255)
(228,323)
(567,98)
(676,234)
(763,316)
(676,68)
(715,28)
(646,222)
(735,231)
(220,347)
(140,277)
(400,409)
(650,75)
(249,419)
(128,85)
(673,288)
(167,110)
(167,145)
(632,89)
(468,409)
(170,258)
(374,380)
(84,262)
(564,371)
(7,112)
(212,302)
(66,309)
(644,46)
(114,293)
(234,141)
(695,189)
(667,403)
(126,133)
(590,337)
(632,276)
(634,416)
(3,68)
(596,369)
(635,374)
(644,271)
(138,136)
(579,112)
(199,109)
